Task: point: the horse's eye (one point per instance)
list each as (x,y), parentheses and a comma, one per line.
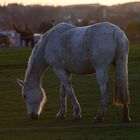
(24,96)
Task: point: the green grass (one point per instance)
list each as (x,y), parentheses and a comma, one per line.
(14,122)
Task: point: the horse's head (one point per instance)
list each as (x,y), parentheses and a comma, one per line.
(35,98)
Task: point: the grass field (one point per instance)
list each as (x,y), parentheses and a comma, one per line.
(14,122)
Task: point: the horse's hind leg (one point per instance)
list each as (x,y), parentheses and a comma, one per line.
(65,80)
(102,79)
(63,103)
(126,118)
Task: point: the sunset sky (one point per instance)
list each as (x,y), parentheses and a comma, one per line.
(65,2)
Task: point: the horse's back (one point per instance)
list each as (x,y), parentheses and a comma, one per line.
(79,49)
(61,28)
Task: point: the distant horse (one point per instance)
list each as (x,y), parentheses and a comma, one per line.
(4,40)
(81,50)
(26,35)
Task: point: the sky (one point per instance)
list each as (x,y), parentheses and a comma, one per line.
(65,2)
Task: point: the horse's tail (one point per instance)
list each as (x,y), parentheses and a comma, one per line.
(121,70)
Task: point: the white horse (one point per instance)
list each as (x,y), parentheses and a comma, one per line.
(81,50)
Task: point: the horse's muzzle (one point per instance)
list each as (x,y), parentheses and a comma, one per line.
(33,116)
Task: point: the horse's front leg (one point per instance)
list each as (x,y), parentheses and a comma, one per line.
(63,103)
(65,80)
(102,79)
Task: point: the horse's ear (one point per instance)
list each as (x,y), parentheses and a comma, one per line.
(20,82)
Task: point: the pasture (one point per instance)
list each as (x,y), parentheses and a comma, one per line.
(15,124)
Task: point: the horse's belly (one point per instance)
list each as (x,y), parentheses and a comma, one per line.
(80,68)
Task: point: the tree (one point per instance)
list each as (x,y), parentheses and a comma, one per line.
(132,30)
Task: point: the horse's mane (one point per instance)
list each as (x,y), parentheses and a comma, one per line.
(36,53)
(40,44)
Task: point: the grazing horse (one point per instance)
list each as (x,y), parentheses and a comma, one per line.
(81,50)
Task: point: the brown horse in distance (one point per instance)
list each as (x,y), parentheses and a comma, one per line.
(26,35)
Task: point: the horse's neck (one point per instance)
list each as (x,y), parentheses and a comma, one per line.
(35,69)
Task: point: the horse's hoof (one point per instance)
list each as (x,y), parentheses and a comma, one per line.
(126,120)
(98,119)
(60,116)
(77,117)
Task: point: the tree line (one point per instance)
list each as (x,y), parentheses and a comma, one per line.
(39,18)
